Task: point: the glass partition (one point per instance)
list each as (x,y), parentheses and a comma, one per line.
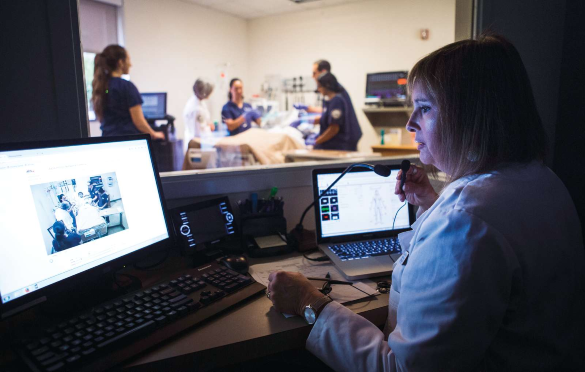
(265,55)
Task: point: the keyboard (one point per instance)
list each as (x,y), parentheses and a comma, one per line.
(117,330)
(364,249)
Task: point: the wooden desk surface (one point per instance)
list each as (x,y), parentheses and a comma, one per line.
(395,150)
(305,155)
(251,330)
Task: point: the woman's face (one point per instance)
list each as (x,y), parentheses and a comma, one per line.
(125,64)
(321,89)
(237,90)
(424,124)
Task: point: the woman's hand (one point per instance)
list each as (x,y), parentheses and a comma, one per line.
(157,136)
(417,188)
(291,292)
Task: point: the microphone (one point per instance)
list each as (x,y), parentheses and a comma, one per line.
(380,170)
(404,166)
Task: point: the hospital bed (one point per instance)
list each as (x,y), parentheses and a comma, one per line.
(90,225)
(254,146)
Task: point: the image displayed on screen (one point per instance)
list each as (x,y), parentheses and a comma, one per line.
(204,225)
(67,209)
(361,202)
(387,85)
(153,106)
(76,211)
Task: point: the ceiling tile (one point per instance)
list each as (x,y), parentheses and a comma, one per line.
(250,9)
(239,9)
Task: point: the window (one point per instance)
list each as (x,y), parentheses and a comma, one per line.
(99,28)
(88,59)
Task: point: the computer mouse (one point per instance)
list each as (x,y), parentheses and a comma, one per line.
(237,263)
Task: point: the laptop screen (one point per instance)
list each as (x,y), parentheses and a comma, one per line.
(360,203)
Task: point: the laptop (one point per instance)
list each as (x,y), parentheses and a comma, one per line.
(359,219)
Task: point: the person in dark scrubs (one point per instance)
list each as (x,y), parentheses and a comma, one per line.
(321,67)
(64,239)
(236,114)
(337,130)
(117,102)
(104,201)
(92,193)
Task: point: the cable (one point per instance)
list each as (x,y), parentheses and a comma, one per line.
(152,266)
(396,215)
(369,294)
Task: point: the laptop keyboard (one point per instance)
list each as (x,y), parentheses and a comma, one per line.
(370,248)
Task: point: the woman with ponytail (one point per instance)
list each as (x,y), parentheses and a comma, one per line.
(117,102)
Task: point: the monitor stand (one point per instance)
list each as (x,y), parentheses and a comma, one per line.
(213,251)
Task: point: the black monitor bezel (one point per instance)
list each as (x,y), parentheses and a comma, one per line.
(381,73)
(360,236)
(153,93)
(45,294)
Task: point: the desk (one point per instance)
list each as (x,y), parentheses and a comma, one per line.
(248,331)
(395,150)
(311,155)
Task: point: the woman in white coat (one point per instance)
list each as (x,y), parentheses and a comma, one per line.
(196,114)
(491,277)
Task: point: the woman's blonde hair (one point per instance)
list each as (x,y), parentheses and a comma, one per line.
(487,113)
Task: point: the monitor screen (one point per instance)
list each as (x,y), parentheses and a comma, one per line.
(154,105)
(387,85)
(204,222)
(65,210)
(361,202)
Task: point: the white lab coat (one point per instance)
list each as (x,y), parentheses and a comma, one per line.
(493,281)
(64,216)
(197,119)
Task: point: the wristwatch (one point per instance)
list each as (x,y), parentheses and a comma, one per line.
(313,310)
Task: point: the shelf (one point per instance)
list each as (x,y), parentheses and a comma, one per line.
(395,150)
(387,110)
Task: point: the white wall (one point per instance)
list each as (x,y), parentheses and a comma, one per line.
(357,38)
(171,43)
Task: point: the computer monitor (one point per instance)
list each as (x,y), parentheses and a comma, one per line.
(154,106)
(73,207)
(386,87)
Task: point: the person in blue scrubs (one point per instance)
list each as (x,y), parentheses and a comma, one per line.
(337,130)
(117,102)
(322,67)
(104,201)
(236,114)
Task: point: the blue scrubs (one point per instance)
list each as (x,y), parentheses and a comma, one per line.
(336,111)
(352,116)
(103,200)
(121,96)
(231,111)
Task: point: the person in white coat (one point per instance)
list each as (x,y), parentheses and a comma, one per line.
(196,114)
(492,275)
